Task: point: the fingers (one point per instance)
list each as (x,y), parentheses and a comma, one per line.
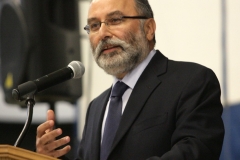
(60,152)
(50,149)
(58,143)
(50,136)
(46,142)
(46,126)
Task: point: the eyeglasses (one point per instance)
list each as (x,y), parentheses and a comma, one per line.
(110,23)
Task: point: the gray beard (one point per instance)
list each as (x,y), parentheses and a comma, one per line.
(124,60)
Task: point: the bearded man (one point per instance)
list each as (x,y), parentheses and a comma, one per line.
(156,108)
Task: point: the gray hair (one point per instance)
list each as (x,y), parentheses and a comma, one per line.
(143,8)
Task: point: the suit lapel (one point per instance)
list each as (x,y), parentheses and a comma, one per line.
(147,82)
(100,104)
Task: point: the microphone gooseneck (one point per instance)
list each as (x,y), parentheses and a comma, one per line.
(30,103)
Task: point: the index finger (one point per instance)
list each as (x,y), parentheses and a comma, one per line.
(50,116)
(41,130)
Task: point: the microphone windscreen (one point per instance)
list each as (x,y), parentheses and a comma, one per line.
(77,68)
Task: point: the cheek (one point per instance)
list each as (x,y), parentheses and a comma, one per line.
(93,41)
(126,34)
(134,27)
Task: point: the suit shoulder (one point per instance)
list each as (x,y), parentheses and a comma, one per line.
(169,65)
(188,67)
(185,64)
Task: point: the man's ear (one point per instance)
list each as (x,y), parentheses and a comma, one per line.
(150,28)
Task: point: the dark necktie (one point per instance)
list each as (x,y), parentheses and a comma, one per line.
(113,118)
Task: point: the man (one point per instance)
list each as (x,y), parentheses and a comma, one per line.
(170,110)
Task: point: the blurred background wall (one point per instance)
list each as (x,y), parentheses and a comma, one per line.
(205,32)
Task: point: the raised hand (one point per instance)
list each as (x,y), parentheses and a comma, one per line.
(46,142)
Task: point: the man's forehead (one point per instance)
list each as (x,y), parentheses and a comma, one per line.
(116,1)
(106,6)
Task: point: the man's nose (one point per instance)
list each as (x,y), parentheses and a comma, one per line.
(104,31)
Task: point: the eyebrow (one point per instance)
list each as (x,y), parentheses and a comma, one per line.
(108,15)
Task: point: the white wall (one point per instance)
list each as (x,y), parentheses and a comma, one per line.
(233,50)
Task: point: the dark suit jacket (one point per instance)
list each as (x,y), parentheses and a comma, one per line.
(173,113)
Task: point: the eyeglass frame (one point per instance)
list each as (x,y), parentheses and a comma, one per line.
(87,27)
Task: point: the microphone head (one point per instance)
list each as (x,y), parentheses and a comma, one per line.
(78,69)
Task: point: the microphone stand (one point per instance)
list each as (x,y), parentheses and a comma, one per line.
(30,102)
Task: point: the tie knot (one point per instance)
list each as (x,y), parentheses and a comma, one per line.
(118,89)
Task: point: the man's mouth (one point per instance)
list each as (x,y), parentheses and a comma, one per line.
(109,48)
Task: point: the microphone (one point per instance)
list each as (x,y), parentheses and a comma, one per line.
(75,70)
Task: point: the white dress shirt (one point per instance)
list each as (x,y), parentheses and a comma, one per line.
(129,79)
